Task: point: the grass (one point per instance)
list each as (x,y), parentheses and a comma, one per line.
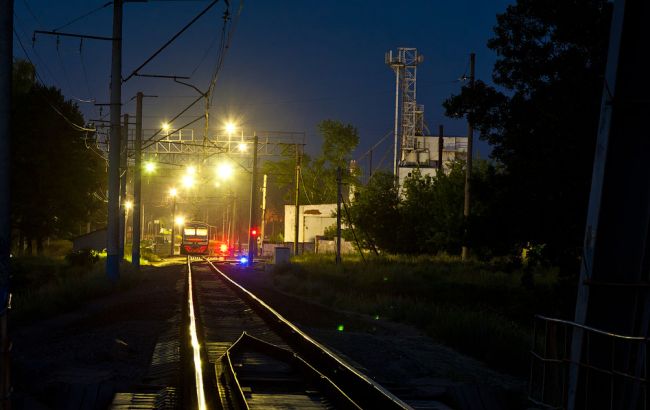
(475,307)
(44,287)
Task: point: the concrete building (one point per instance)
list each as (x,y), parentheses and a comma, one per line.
(313,220)
(424,155)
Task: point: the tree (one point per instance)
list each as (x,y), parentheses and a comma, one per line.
(542,126)
(375,213)
(54,175)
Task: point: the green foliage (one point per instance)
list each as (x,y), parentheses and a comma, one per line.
(318,175)
(375,213)
(542,127)
(54,174)
(82,257)
(454,301)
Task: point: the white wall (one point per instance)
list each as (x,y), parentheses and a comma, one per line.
(313,219)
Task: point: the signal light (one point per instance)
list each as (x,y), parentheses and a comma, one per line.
(254,232)
(243,260)
(223,247)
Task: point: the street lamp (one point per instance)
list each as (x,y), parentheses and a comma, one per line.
(173,193)
(188,181)
(165,127)
(224,171)
(242,147)
(149,167)
(230,127)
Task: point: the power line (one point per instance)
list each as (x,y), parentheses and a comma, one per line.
(40,80)
(174,37)
(74,20)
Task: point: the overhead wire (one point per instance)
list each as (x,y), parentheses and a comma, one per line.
(40,80)
(224,45)
(74,20)
(171,40)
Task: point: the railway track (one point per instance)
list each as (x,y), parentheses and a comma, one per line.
(241,354)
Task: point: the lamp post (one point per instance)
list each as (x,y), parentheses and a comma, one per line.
(173,193)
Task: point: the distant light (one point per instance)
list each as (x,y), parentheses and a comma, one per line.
(180,220)
(190,170)
(243,260)
(165,126)
(149,167)
(242,146)
(230,127)
(217,184)
(173,192)
(188,181)
(128,205)
(224,170)
(223,247)
(340,328)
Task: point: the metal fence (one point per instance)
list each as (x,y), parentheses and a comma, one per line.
(612,368)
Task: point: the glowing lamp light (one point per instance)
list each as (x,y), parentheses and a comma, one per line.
(173,192)
(128,205)
(180,220)
(223,247)
(165,126)
(224,170)
(242,147)
(149,167)
(243,260)
(190,170)
(230,127)
(188,181)
(254,232)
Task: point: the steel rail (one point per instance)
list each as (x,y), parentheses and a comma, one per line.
(313,345)
(196,347)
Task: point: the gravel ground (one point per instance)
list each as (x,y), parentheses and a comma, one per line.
(81,359)
(401,358)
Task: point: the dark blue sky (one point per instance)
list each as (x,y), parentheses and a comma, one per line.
(290,64)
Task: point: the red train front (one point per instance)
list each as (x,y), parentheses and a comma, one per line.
(195,239)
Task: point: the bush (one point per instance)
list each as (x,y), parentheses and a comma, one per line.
(82,257)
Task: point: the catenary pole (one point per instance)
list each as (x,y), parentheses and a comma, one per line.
(252,239)
(338,215)
(296,225)
(468,170)
(441,146)
(137,184)
(263,214)
(6,65)
(113,230)
(123,179)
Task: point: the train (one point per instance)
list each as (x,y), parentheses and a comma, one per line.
(196,239)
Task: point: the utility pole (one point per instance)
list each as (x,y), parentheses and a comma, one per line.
(6,65)
(296,227)
(468,171)
(338,215)
(137,187)
(441,147)
(252,239)
(113,230)
(123,174)
(171,252)
(263,216)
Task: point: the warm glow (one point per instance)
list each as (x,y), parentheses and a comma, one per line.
(217,184)
(224,170)
(230,127)
(149,167)
(173,192)
(223,247)
(165,126)
(128,205)
(188,181)
(242,146)
(180,220)
(190,170)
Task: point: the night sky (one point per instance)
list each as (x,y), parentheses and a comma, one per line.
(290,63)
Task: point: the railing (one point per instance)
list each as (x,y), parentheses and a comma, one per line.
(612,367)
